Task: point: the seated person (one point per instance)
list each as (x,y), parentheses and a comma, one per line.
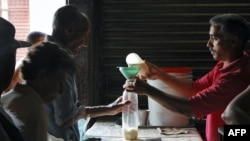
(44,70)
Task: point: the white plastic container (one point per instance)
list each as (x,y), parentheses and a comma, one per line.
(160,116)
(130,121)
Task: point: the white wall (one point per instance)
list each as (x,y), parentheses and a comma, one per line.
(41,14)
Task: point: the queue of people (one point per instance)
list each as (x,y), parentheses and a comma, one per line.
(70,33)
(48,81)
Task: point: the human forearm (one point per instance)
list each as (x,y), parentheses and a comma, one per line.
(173,103)
(183,86)
(111,109)
(82,113)
(92,111)
(97,111)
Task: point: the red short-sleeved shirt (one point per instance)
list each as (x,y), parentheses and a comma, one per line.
(216,89)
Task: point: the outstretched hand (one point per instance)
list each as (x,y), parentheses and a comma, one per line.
(149,71)
(117,106)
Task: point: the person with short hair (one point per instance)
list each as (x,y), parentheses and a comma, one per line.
(33,37)
(70,29)
(209,95)
(44,70)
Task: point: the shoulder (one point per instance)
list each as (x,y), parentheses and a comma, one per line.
(8,98)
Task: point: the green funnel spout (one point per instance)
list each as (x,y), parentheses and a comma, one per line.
(129,72)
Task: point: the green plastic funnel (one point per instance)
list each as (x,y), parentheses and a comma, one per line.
(129,72)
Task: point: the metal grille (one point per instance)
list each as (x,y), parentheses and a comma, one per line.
(168,33)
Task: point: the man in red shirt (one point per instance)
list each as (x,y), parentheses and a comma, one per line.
(209,95)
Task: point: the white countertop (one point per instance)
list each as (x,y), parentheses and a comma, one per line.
(107,130)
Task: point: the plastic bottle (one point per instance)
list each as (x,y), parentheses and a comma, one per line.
(130,120)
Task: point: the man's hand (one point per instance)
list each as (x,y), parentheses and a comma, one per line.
(117,106)
(136,85)
(149,71)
